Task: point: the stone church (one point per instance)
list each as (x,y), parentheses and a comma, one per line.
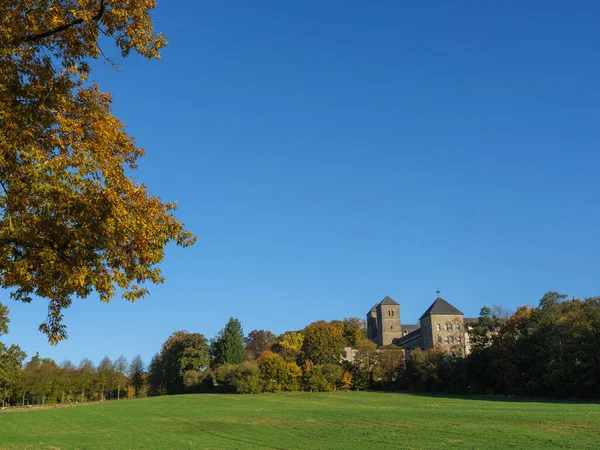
(441,326)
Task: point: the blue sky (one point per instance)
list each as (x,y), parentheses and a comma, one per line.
(330,153)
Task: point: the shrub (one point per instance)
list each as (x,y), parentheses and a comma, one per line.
(324,378)
(246,379)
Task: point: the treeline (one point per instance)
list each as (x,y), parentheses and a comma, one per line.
(551,351)
(308,359)
(188,362)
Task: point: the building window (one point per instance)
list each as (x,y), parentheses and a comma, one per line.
(391,327)
(451,340)
(405,332)
(439,339)
(438,327)
(392,313)
(458,339)
(449,327)
(447,341)
(457,327)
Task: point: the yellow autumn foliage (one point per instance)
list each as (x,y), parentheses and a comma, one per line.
(72,219)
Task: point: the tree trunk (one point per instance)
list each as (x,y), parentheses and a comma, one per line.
(23,400)
(62,400)
(82,395)
(119,392)
(43,399)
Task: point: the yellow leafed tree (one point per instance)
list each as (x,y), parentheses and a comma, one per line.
(71,220)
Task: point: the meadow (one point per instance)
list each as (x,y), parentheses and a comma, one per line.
(341,420)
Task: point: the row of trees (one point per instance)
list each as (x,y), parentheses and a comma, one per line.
(550,350)
(188,362)
(42,380)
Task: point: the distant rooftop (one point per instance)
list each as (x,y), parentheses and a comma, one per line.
(441,307)
(386,301)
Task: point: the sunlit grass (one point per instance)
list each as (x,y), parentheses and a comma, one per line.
(306,420)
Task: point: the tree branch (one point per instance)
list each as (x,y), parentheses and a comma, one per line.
(58,29)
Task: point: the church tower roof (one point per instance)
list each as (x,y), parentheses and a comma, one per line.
(441,307)
(388,301)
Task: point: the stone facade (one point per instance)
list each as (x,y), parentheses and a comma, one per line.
(441,326)
(442,330)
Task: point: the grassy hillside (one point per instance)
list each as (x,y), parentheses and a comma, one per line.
(305,420)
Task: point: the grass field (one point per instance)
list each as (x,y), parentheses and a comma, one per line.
(306,420)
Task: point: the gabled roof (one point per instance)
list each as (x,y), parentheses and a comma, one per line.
(388,301)
(441,307)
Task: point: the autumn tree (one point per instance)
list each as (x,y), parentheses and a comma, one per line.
(66,380)
(137,375)
(482,332)
(362,367)
(86,378)
(46,379)
(273,370)
(73,220)
(289,345)
(105,376)
(257,342)
(352,329)
(388,366)
(323,343)
(29,378)
(228,347)
(347,380)
(120,368)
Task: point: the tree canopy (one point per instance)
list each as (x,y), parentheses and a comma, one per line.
(181,353)
(72,218)
(257,342)
(323,343)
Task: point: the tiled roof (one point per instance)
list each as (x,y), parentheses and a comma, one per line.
(441,307)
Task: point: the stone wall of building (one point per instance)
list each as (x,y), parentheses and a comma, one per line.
(445,331)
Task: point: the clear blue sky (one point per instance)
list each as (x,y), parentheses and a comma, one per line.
(330,153)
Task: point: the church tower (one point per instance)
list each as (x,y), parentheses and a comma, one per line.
(383,322)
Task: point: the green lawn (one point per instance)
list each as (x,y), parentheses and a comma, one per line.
(306,420)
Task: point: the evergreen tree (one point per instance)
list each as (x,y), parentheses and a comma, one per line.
(228,347)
